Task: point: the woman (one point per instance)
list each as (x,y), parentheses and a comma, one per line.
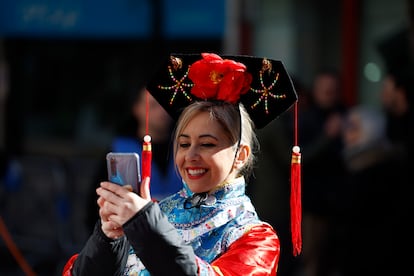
(210,226)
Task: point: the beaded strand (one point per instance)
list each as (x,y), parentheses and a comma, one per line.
(266,92)
(178,86)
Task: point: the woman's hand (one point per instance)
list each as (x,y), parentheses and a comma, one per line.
(117,205)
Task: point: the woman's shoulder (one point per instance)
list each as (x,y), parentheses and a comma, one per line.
(254,230)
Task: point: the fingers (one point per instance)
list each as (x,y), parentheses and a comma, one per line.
(145,188)
(111,229)
(106,210)
(100,202)
(118,205)
(115,188)
(112,225)
(112,193)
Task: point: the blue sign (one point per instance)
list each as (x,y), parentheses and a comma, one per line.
(110,18)
(191,18)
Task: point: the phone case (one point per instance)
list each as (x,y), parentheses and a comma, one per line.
(124,169)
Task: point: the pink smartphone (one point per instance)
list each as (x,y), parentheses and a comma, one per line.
(124,169)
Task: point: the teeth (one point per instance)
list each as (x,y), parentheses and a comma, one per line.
(196,172)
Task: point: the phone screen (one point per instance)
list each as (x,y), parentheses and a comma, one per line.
(124,169)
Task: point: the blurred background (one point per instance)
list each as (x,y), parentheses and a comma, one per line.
(69,69)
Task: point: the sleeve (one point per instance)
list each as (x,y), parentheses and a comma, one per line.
(100,256)
(158,245)
(255,253)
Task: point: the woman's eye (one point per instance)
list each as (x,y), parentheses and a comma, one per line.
(208,145)
(184,145)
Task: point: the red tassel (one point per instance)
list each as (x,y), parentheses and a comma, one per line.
(295,202)
(146,157)
(295,192)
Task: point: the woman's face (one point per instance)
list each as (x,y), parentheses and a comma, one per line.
(204,155)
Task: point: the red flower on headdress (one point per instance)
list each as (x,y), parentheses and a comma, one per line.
(219,79)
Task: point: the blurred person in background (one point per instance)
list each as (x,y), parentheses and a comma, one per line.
(320,126)
(397,99)
(397,95)
(372,197)
(164,178)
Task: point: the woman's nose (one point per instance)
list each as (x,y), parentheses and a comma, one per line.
(192,153)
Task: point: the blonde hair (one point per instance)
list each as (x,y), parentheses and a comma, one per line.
(228,116)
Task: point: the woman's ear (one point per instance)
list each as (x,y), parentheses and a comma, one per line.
(242,156)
